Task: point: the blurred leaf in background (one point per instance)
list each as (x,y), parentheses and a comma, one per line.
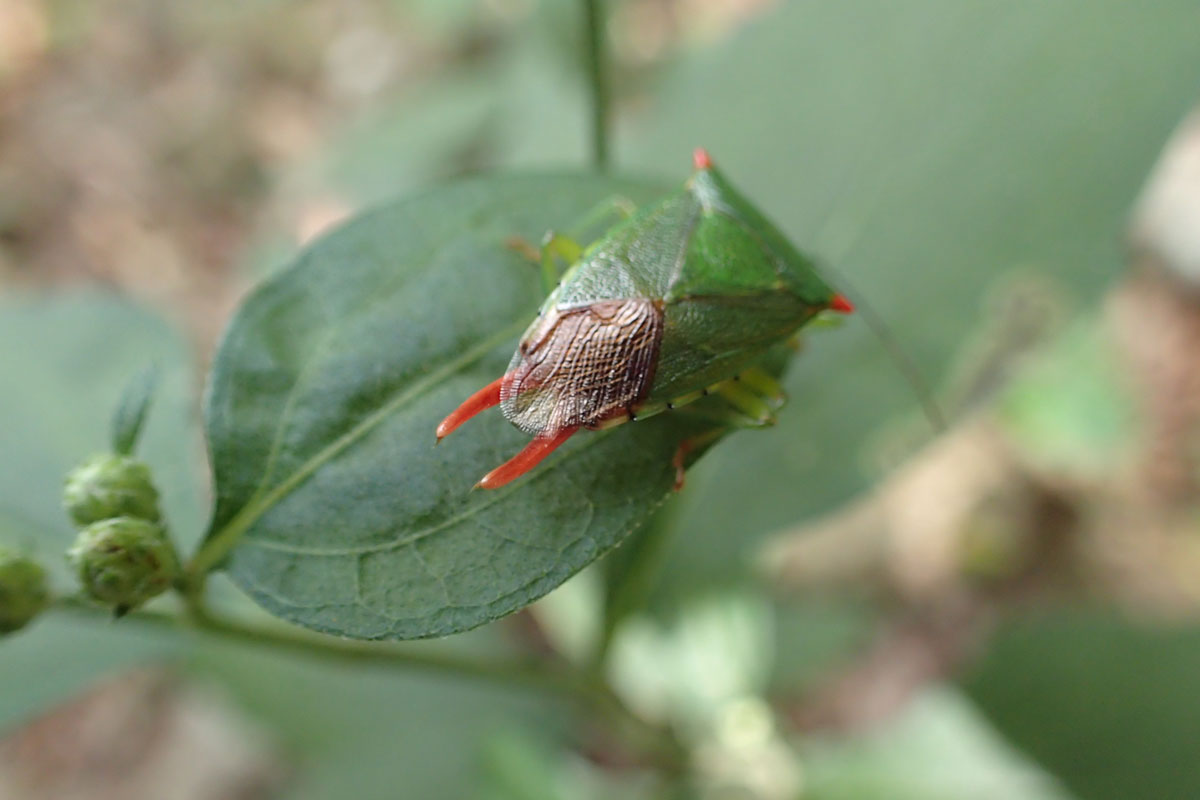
(1111,706)
(65,361)
(939,748)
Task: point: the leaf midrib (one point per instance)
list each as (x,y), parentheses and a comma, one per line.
(269,544)
(220,543)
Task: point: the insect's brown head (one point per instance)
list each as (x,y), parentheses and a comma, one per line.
(841,304)
(701,159)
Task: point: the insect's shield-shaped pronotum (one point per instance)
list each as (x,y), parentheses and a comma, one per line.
(670,304)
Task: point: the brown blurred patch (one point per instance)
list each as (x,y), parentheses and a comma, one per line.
(140,141)
(146,735)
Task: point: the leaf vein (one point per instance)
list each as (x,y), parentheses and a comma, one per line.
(416,536)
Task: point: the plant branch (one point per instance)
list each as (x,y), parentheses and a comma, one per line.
(632,572)
(597,81)
(330,648)
(562,680)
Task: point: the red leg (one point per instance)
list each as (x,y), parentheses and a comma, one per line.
(685,449)
(681,453)
(525,460)
(484,399)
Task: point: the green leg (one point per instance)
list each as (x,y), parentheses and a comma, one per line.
(751,400)
(557,246)
(763,383)
(747,403)
(566,247)
(827,320)
(725,416)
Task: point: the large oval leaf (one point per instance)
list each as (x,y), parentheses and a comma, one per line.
(341,514)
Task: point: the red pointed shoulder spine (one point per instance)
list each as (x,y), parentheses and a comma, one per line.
(482,400)
(527,459)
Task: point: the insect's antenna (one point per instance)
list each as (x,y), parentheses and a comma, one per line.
(900,357)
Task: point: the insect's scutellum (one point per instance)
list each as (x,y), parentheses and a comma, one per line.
(670,305)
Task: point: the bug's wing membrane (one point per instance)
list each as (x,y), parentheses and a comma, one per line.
(708,339)
(579,367)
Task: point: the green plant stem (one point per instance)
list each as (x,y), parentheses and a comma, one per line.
(632,573)
(597,81)
(563,680)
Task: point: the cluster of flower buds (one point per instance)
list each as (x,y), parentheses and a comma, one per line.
(122,555)
(108,486)
(23,592)
(123,562)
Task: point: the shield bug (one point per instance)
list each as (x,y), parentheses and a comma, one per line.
(675,302)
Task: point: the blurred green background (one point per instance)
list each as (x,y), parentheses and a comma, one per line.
(156,158)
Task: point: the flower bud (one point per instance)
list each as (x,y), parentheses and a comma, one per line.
(108,486)
(23,592)
(123,562)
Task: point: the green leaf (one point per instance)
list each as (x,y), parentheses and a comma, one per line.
(339,512)
(131,412)
(1109,704)
(940,748)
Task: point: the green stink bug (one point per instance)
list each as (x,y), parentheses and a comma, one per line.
(673,303)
